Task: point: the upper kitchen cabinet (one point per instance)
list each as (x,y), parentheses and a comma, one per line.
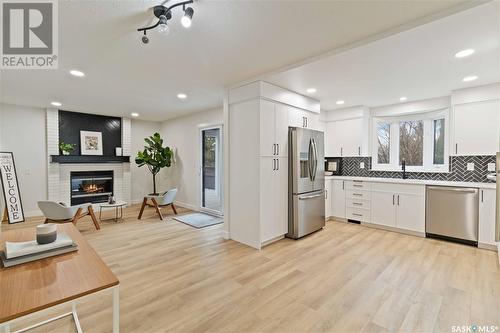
(347,133)
(476,118)
(273,129)
(304,119)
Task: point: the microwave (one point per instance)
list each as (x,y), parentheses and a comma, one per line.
(333,166)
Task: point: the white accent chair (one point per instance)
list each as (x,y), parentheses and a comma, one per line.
(162,200)
(60,213)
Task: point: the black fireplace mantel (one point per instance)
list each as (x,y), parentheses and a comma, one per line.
(88,159)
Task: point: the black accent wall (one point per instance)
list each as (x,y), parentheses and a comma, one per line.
(71,123)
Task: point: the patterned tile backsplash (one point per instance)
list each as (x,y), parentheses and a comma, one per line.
(458,165)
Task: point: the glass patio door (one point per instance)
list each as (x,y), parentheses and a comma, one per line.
(211,166)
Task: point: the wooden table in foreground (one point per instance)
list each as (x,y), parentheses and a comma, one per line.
(50,282)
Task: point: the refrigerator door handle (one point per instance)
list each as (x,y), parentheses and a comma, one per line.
(315,159)
(310,159)
(306,197)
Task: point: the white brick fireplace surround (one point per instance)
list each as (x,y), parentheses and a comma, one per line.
(59,174)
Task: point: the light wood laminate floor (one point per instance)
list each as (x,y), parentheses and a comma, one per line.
(345,278)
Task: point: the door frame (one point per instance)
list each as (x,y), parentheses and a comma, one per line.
(219,172)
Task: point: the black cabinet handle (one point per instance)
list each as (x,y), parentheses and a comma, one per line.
(326,194)
(278,164)
(359,151)
(393,199)
(398,199)
(278,152)
(482,195)
(343,185)
(456,148)
(341,151)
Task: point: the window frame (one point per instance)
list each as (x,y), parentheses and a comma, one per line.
(428,133)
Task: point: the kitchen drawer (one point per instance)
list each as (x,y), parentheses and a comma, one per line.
(358,214)
(357,203)
(358,194)
(358,185)
(399,188)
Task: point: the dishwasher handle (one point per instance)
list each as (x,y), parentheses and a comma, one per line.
(448,189)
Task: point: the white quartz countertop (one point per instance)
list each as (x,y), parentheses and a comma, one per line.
(415,181)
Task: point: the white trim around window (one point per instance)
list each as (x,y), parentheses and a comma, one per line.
(428,119)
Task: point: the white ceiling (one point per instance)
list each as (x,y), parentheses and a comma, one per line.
(418,63)
(230,41)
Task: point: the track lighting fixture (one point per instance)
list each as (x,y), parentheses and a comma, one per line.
(187,18)
(164,14)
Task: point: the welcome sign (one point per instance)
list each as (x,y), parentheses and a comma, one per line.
(11,188)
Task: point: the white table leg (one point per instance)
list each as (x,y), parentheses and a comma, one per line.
(5,328)
(116,309)
(75,318)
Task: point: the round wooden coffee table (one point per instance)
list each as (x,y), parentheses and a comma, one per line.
(118,206)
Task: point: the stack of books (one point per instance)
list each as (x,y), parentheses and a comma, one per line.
(17,253)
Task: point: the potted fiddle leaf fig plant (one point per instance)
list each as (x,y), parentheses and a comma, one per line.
(66,148)
(154,156)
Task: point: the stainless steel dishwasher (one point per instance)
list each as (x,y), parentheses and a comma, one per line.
(452,213)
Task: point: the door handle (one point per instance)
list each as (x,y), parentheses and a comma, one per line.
(311,196)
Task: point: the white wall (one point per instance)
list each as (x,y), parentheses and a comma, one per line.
(141,179)
(183,135)
(22,131)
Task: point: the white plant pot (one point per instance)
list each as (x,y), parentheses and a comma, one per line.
(65,153)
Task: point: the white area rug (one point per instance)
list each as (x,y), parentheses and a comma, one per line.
(199,220)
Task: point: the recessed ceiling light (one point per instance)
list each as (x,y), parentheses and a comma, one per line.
(181,96)
(340,102)
(77,73)
(311,90)
(464,53)
(402,99)
(134,114)
(470,78)
(56,103)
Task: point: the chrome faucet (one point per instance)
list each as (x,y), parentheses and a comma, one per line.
(403,165)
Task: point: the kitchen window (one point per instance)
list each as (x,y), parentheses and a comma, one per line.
(418,139)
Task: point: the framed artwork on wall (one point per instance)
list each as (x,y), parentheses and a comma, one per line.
(90,143)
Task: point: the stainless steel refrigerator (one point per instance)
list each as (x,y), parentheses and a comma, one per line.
(306,182)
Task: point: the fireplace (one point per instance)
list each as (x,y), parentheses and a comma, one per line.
(91,186)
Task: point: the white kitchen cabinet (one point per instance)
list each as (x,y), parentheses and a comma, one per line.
(487,202)
(398,205)
(257,194)
(410,212)
(273,129)
(304,119)
(338,199)
(476,128)
(273,197)
(383,208)
(328,198)
(345,138)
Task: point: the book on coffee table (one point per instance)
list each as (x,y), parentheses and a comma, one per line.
(19,249)
(36,256)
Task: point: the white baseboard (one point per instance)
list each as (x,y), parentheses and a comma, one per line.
(186,205)
(225,234)
(33,213)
